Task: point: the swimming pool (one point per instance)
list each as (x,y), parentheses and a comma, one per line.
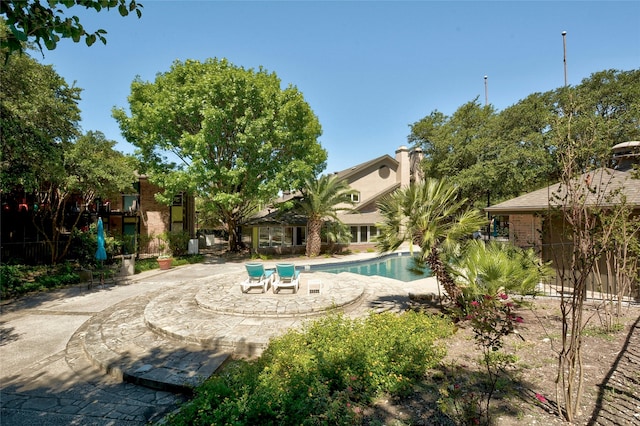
(399,267)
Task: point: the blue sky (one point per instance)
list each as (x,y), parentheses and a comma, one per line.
(368,69)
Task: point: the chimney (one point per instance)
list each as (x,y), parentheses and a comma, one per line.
(416,156)
(626,154)
(404,166)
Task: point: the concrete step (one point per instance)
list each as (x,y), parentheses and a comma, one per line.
(119,343)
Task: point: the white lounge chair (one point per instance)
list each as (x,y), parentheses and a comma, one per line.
(286,277)
(258,277)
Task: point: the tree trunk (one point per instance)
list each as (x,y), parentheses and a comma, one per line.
(443,276)
(234,242)
(314,242)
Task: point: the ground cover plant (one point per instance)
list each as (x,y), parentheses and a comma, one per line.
(150,263)
(327,373)
(17,280)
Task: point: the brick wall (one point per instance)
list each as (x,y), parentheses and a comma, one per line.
(524,230)
(154,217)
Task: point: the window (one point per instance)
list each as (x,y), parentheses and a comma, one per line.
(288,236)
(130,203)
(364,234)
(277,236)
(373,231)
(301,236)
(355,197)
(263,238)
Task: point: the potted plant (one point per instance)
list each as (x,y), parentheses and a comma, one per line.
(165,259)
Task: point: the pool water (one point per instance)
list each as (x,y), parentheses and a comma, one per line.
(402,268)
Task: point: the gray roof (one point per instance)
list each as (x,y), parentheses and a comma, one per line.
(370,218)
(275,217)
(270,215)
(625,145)
(347,173)
(602,182)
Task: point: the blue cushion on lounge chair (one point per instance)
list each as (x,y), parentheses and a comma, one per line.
(286,277)
(257,277)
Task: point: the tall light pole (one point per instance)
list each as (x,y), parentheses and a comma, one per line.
(486,104)
(564,55)
(486,92)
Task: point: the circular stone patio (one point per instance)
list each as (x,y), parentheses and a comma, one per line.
(213,312)
(224,296)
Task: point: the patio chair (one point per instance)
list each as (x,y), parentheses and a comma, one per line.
(257,277)
(105,274)
(286,277)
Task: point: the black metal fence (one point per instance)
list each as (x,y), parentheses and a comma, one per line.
(598,288)
(39,252)
(602,282)
(28,253)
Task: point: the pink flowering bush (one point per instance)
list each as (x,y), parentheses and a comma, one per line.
(492,317)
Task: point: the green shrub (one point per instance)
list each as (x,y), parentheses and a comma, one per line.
(83,247)
(498,267)
(85,243)
(10,280)
(178,242)
(147,264)
(324,374)
(16,280)
(150,263)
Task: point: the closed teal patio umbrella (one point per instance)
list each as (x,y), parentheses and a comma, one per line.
(101,253)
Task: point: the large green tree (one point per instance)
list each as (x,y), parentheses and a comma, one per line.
(454,146)
(231,135)
(522,156)
(38,114)
(514,151)
(45,22)
(321,200)
(604,110)
(433,216)
(44,153)
(90,168)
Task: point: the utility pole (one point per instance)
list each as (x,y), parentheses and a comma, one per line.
(486,92)
(564,49)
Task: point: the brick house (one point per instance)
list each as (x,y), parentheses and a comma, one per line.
(139,214)
(533,221)
(125,216)
(525,213)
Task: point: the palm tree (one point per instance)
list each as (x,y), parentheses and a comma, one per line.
(498,267)
(431,215)
(321,200)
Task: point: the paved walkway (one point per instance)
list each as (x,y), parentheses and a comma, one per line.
(80,356)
